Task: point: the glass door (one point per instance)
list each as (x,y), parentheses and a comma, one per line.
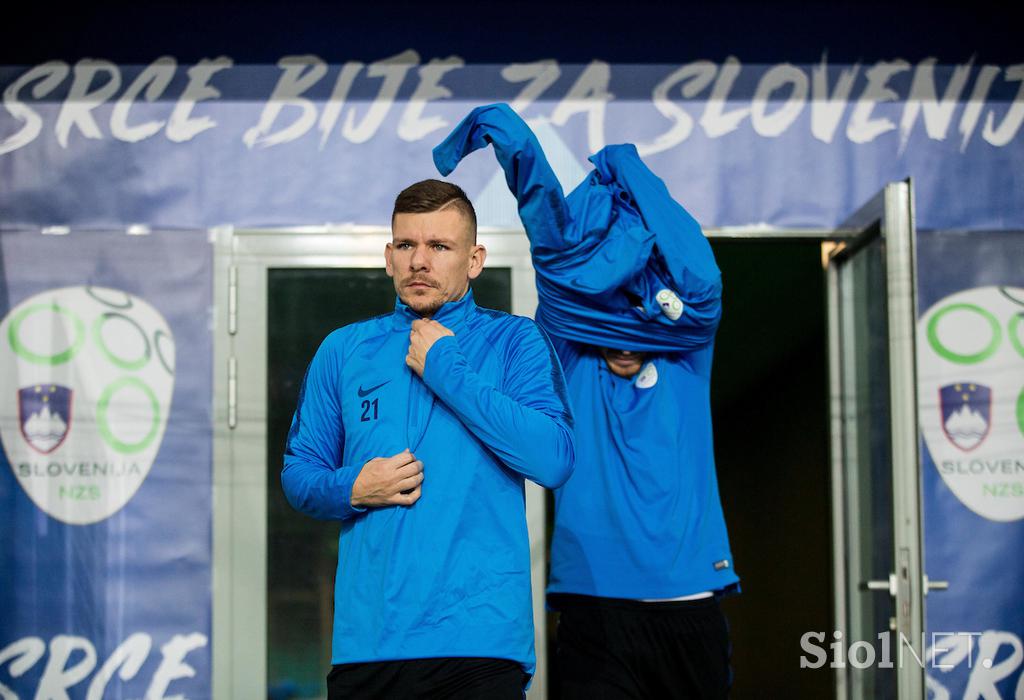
(876,648)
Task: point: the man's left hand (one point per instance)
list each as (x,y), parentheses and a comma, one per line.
(422,337)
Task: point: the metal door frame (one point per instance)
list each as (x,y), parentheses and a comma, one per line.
(892,212)
(239,628)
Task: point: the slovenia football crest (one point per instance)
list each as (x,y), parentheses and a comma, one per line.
(85,392)
(970,349)
(966,409)
(44,414)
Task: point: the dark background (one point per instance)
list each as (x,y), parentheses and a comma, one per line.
(769,392)
(643,31)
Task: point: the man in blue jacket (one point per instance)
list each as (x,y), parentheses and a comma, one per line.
(416,430)
(630,294)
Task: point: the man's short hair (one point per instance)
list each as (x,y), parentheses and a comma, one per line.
(429,196)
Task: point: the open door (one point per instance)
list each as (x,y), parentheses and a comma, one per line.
(879,583)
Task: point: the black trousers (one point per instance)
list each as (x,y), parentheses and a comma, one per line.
(615,649)
(447,679)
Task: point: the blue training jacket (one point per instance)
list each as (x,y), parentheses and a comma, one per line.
(641,515)
(449,575)
(606,255)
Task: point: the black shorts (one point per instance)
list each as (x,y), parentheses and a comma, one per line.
(612,648)
(447,678)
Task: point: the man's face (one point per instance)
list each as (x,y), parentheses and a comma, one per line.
(623,363)
(432,258)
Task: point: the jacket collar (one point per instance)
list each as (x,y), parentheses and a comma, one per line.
(451,315)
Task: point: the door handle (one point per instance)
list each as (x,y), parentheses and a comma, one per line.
(934,585)
(889,585)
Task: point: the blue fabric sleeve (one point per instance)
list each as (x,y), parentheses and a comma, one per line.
(606,255)
(527,424)
(680,248)
(313,479)
(542,205)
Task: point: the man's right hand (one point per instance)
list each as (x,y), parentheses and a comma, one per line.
(388,481)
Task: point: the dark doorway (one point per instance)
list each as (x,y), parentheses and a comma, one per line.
(769,393)
(770,407)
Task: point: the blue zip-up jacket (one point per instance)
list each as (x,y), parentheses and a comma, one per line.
(449,575)
(641,516)
(605,255)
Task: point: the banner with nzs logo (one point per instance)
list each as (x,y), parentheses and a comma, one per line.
(970,365)
(105,394)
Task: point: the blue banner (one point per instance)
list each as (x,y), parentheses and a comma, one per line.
(92,144)
(971,411)
(105,478)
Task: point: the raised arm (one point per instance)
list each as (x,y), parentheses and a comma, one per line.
(530,178)
(619,263)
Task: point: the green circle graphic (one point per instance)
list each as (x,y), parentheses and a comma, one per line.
(943,351)
(1015,340)
(104,425)
(97,332)
(1020,411)
(14,335)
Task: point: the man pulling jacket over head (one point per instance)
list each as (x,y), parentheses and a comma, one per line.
(630,293)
